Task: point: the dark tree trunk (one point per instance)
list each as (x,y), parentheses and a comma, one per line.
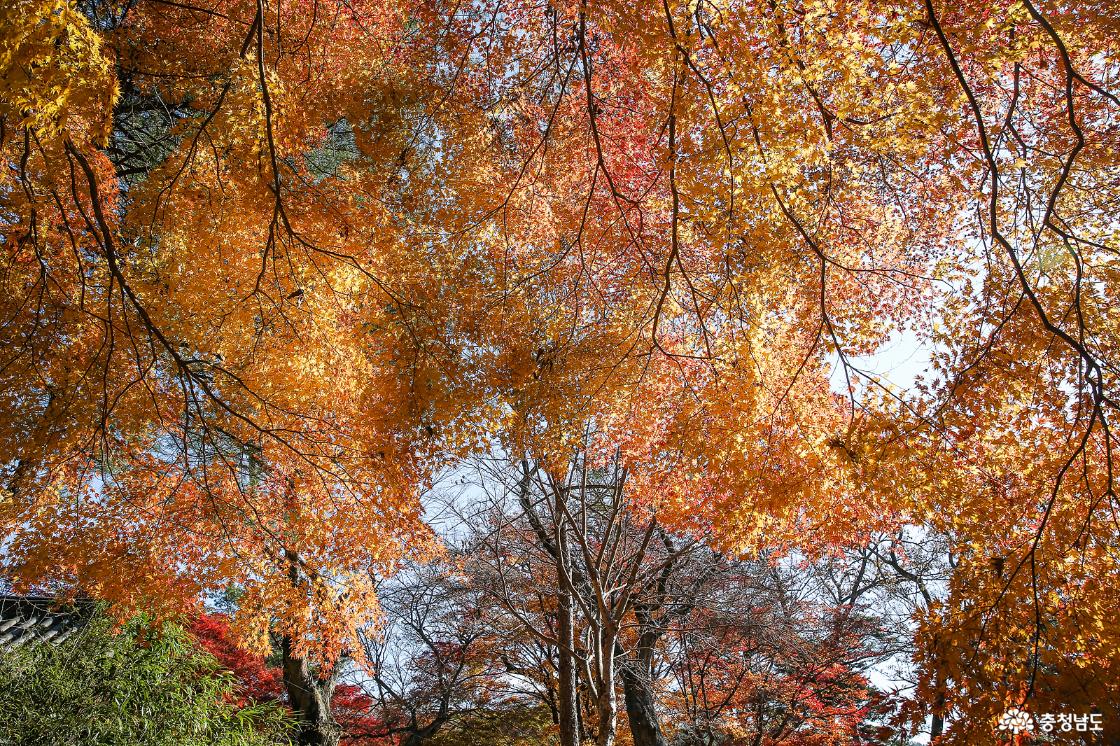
(937,717)
(310,699)
(641,705)
(937,721)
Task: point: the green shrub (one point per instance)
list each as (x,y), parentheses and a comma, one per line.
(514,725)
(140,686)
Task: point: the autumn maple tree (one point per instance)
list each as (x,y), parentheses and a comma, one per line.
(269,268)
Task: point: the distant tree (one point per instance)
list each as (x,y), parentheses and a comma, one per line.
(668,642)
(143,685)
(774,665)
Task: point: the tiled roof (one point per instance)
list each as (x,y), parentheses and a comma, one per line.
(25,619)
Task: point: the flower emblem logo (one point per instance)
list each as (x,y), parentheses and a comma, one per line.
(1015,720)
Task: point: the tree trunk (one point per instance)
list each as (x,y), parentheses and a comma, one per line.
(566,673)
(310,699)
(937,716)
(567,702)
(607,706)
(937,721)
(641,707)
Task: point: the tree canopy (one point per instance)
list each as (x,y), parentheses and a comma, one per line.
(267,269)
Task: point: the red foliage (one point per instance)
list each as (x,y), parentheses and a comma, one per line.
(352,707)
(793,680)
(259,683)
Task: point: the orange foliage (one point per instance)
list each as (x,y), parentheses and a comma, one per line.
(267,267)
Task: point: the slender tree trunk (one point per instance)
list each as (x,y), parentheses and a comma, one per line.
(607,706)
(937,721)
(937,717)
(566,673)
(567,700)
(556,544)
(310,699)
